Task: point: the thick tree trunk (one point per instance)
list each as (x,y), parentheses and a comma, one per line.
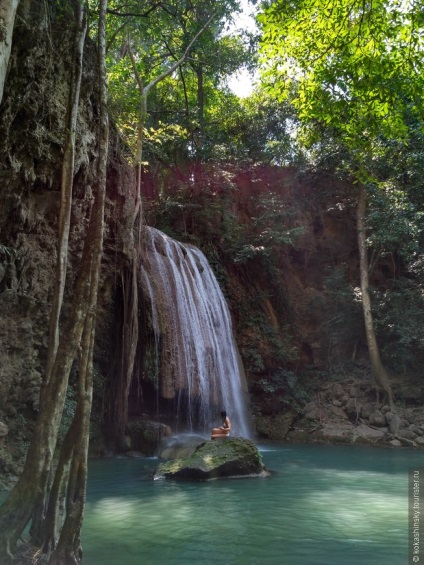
(55,511)
(69,549)
(381,379)
(66,186)
(7,20)
(81,20)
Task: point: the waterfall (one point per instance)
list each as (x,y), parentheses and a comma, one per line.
(197,359)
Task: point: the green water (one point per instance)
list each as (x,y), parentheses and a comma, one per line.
(324,505)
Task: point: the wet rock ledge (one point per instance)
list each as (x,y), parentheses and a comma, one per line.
(216,459)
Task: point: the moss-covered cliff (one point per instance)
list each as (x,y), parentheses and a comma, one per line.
(32,133)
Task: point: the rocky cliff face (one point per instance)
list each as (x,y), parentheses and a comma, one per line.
(31,149)
(275,239)
(284,246)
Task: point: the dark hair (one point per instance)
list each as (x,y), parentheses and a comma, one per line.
(223,414)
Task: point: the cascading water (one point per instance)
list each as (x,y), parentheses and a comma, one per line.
(197,359)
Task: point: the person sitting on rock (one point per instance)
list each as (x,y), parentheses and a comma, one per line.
(224,429)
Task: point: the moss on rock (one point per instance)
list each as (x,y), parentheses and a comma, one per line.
(226,457)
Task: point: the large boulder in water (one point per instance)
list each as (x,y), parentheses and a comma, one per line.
(215,459)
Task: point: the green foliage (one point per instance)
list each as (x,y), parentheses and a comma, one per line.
(190,99)
(255,129)
(395,222)
(347,65)
(342,306)
(266,130)
(270,229)
(273,221)
(399,319)
(285,386)
(212,218)
(252,360)
(259,339)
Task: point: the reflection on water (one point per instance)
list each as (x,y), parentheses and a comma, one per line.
(338,505)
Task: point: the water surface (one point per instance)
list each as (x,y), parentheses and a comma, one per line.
(323,504)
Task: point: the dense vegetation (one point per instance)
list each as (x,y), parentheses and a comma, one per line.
(339,92)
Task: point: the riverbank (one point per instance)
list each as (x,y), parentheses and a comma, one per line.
(347,412)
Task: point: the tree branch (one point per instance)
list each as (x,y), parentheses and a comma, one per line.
(181,59)
(134,14)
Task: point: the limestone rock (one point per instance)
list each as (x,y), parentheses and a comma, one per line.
(299,436)
(314,414)
(417,430)
(337,411)
(134,454)
(275,427)
(310,407)
(352,408)
(338,390)
(394,422)
(395,443)
(367,410)
(335,433)
(407,442)
(406,434)
(214,459)
(4,430)
(411,393)
(412,416)
(365,434)
(377,418)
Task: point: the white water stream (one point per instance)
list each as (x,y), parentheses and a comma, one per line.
(196,353)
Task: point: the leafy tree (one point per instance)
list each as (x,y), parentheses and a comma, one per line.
(150,48)
(353,67)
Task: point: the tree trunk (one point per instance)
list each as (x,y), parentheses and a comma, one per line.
(57,495)
(199,138)
(81,20)
(381,379)
(200,108)
(69,549)
(7,21)
(66,186)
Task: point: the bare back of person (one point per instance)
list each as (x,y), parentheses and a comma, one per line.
(224,429)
